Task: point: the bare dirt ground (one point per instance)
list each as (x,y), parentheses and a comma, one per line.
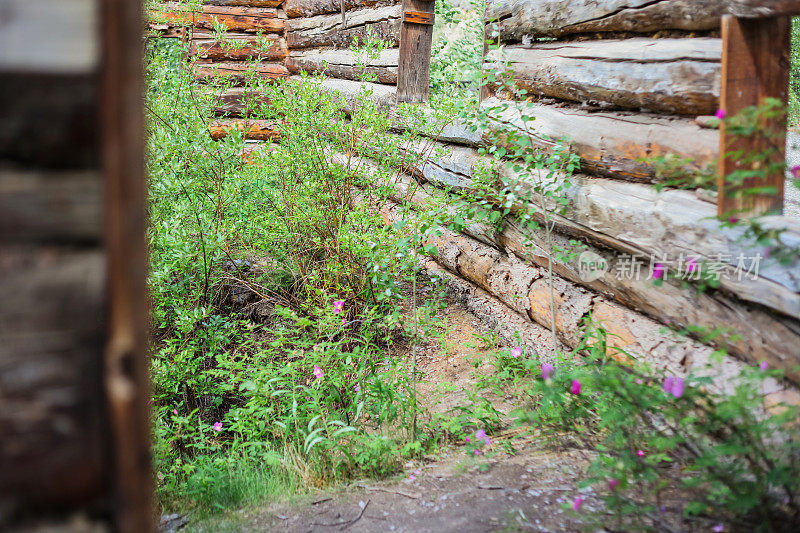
(497,491)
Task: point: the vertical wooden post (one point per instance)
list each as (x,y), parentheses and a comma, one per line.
(126,369)
(755,66)
(416,38)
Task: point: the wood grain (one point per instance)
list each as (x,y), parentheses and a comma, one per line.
(260,130)
(238,72)
(248,19)
(755,66)
(238,47)
(310,8)
(414,70)
(344,64)
(675,76)
(327,30)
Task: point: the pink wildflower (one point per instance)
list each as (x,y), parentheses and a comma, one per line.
(481,435)
(476,451)
(658,271)
(516,352)
(691,264)
(416,472)
(612,484)
(547,371)
(719,528)
(733,220)
(763,366)
(796,172)
(344,321)
(318,372)
(218,427)
(337,306)
(466,439)
(677,388)
(669,381)
(357,388)
(412,477)
(638,381)
(640,453)
(576,503)
(576,387)
(720,114)
(175,412)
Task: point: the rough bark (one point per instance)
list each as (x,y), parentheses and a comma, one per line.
(520,19)
(242,47)
(239,102)
(327,30)
(258,130)
(310,8)
(237,73)
(248,19)
(343,64)
(676,76)
(612,144)
(244,3)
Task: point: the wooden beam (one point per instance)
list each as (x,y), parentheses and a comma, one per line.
(125,373)
(416,17)
(260,130)
(755,66)
(414,71)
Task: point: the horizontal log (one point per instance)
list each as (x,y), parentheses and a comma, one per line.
(52,317)
(248,19)
(518,19)
(677,76)
(238,47)
(244,3)
(343,64)
(310,8)
(415,17)
(51,207)
(763,8)
(612,144)
(240,102)
(257,130)
(327,31)
(239,72)
(384,96)
(64,40)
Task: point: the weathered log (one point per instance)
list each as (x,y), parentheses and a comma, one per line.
(612,144)
(343,64)
(239,48)
(517,19)
(258,130)
(327,30)
(52,318)
(244,3)
(239,72)
(248,19)
(240,102)
(383,95)
(310,8)
(72,202)
(677,76)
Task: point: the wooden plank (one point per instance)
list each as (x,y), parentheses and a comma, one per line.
(50,207)
(238,72)
(310,8)
(416,17)
(126,376)
(238,47)
(51,399)
(343,64)
(676,76)
(755,66)
(259,130)
(327,30)
(239,102)
(763,8)
(414,70)
(244,3)
(52,36)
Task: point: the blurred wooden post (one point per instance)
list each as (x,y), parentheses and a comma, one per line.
(416,38)
(755,66)
(125,373)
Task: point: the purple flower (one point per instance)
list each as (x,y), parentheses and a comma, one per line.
(218,427)
(640,453)
(677,388)
(658,271)
(612,484)
(357,388)
(796,172)
(576,387)
(481,435)
(719,528)
(412,477)
(547,370)
(720,114)
(516,352)
(763,366)
(416,472)
(669,381)
(318,372)
(576,503)
(476,451)
(691,264)
(466,439)
(638,381)
(733,220)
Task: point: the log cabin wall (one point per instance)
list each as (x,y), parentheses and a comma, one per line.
(624,80)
